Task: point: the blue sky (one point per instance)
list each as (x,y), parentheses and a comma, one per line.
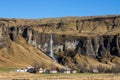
(57,8)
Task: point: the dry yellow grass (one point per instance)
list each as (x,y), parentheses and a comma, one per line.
(89,62)
(22,55)
(59,76)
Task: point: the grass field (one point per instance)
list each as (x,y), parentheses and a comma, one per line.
(59,76)
(80,76)
(5,69)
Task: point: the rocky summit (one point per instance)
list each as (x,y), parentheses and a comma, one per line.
(81,43)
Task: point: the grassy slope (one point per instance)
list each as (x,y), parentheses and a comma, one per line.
(22,55)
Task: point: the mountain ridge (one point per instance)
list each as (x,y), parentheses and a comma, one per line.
(78,41)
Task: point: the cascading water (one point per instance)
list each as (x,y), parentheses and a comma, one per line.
(51,48)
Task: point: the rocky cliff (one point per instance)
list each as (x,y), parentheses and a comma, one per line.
(78,41)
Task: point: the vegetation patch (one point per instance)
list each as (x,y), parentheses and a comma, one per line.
(4,69)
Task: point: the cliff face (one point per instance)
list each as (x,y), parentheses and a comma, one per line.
(74,38)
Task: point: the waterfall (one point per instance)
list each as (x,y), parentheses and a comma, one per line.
(51,48)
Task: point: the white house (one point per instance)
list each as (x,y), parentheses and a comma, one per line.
(53,71)
(73,71)
(95,71)
(67,71)
(21,70)
(41,70)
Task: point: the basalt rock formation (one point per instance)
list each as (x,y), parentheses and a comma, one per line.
(79,42)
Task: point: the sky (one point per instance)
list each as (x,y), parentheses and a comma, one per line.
(57,8)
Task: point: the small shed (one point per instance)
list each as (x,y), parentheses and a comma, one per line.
(73,71)
(41,70)
(95,71)
(53,71)
(21,70)
(66,71)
